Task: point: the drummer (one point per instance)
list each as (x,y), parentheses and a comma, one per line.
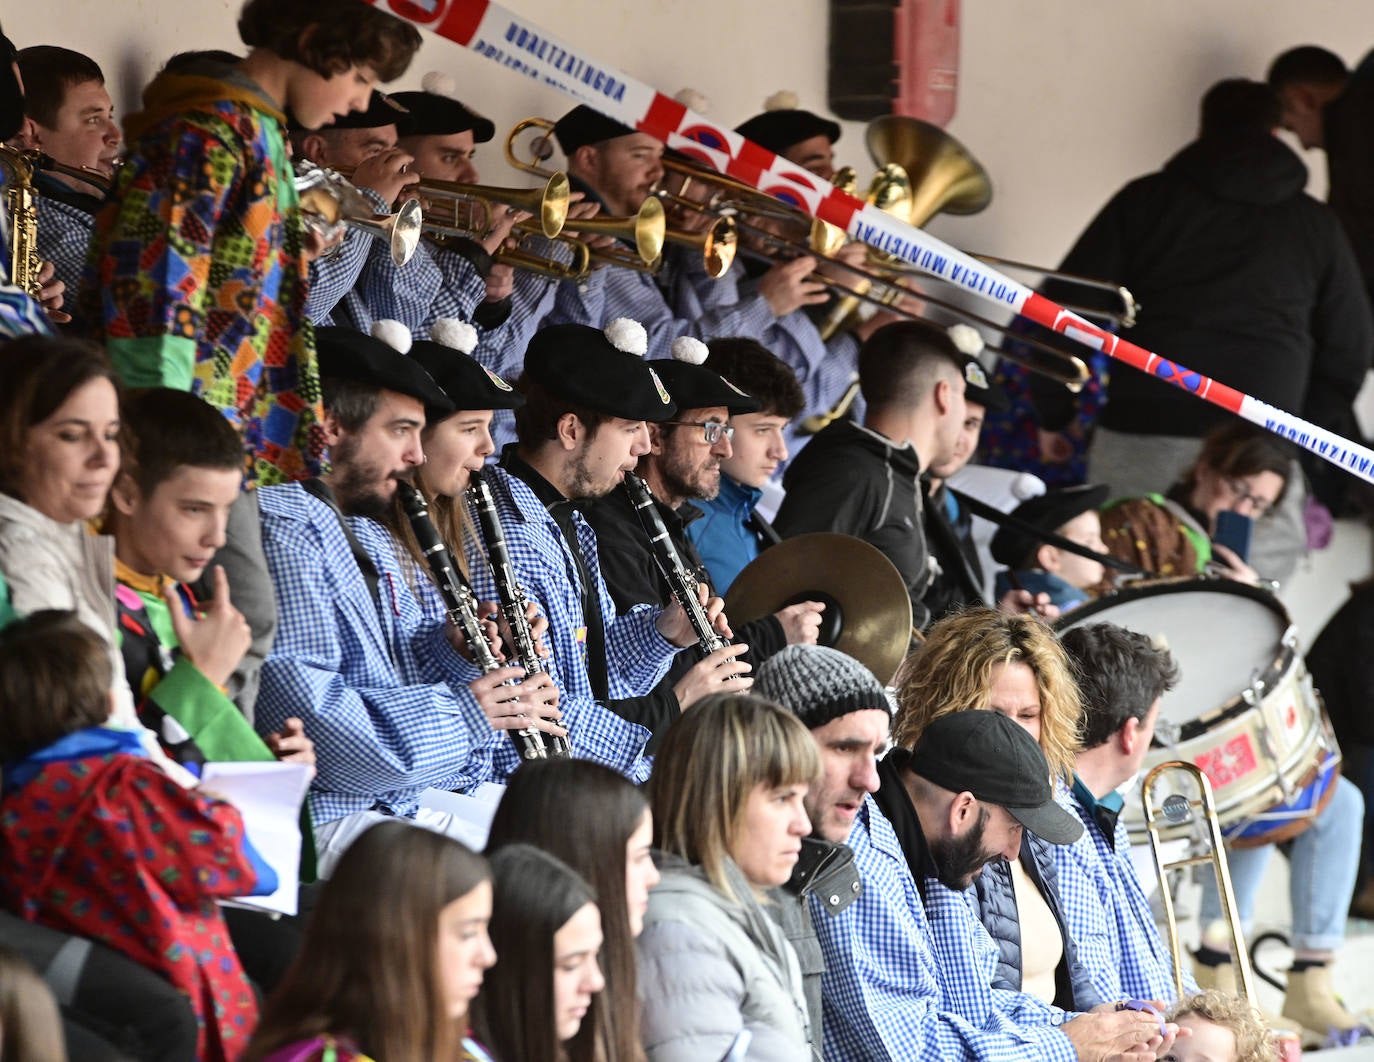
(1041,567)
(1121,679)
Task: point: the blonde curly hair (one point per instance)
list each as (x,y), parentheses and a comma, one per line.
(951,671)
(1253,1040)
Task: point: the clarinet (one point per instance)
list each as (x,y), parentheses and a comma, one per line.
(681,581)
(461,604)
(511,596)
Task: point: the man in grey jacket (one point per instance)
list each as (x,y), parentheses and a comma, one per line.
(847,711)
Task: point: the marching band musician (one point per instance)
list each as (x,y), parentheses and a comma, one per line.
(69,116)
(589,397)
(392,708)
(363,145)
(684,465)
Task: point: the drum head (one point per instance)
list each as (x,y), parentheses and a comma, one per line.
(1224,635)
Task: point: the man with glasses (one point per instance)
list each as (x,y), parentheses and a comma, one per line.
(684,465)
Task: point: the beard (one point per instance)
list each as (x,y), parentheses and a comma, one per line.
(958,859)
(684,479)
(582,484)
(357,483)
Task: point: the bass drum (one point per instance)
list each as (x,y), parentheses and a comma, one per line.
(1244,710)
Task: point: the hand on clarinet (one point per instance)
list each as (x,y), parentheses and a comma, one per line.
(720,672)
(674,624)
(525,703)
(801,623)
(456,638)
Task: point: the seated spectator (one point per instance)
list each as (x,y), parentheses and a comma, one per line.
(611,849)
(1224,1028)
(395,952)
(539,1002)
(1241,468)
(728,790)
(59,422)
(732,532)
(144,871)
(981,659)
(1039,567)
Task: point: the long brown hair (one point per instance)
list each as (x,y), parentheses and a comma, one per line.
(536,894)
(535,810)
(711,760)
(368,968)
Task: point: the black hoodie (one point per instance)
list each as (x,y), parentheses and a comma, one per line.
(856,482)
(1240,276)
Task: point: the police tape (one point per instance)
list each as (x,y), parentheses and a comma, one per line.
(500,35)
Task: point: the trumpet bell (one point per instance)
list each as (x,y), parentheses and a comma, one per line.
(943,176)
(402,230)
(717,245)
(647,229)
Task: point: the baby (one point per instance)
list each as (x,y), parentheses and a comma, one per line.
(1224,1028)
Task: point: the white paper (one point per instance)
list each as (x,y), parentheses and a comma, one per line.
(268,795)
(463,816)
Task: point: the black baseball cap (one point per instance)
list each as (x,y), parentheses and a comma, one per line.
(984,753)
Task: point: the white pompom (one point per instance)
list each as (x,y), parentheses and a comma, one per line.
(966,339)
(628,335)
(1026,486)
(393,334)
(694,100)
(690,349)
(785,100)
(451,332)
(440,84)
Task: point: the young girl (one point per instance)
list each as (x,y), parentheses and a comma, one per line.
(611,849)
(1224,1029)
(395,952)
(99,842)
(541,992)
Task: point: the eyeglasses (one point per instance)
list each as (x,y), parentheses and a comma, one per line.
(1241,492)
(715,430)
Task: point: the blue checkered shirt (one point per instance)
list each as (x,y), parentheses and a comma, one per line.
(371,679)
(637,656)
(333,275)
(889,990)
(64,236)
(434,283)
(1108,914)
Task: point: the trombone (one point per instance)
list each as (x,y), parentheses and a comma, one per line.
(1177,811)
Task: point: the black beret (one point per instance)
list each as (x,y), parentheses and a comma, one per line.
(381,110)
(433,115)
(349,355)
(582,125)
(697,387)
(1048,512)
(580,364)
(779,130)
(468,384)
(11,98)
(982,389)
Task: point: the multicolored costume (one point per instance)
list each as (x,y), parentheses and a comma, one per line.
(96,841)
(197,267)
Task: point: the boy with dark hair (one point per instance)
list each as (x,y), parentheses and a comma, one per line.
(134,875)
(168,512)
(731,531)
(69,116)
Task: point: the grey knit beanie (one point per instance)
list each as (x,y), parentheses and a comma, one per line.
(817,684)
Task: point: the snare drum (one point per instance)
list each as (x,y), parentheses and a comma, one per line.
(1244,710)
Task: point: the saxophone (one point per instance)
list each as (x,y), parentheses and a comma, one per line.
(21,205)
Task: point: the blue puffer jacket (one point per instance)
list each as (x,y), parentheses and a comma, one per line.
(994,900)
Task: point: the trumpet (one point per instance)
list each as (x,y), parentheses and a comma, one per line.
(330,203)
(1178,810)
(548,204)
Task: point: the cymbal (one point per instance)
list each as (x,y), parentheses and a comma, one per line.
(867,610)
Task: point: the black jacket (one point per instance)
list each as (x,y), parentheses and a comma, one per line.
(633,578)
(1241,276)
(956,580)
(854,481)
(994,901)
(1342,667)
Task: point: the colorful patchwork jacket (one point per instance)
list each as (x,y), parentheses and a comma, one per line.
(196,278)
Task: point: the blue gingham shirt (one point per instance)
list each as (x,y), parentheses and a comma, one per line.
(434,283)
(333,275)
(372,680)
(637,656)
(891,992)
(64,237)
(1108,914)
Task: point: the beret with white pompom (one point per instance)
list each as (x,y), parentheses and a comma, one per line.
(693,386)
(693,100)
(347,354)
(600,369)
(435,111)
(393,334)
(690,349)
(783,124)
(468,383)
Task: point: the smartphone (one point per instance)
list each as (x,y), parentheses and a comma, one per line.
(1233,532)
